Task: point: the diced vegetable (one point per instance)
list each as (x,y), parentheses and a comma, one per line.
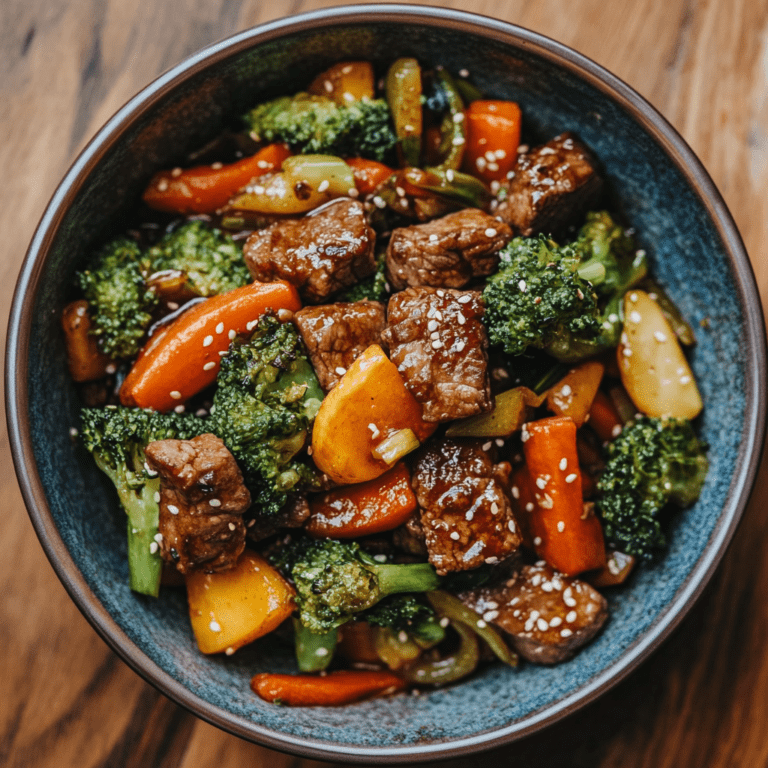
(369,174)
(604,418)
(379,505)
(334,689)
(450,150)
(206,188)
(460,663)
(230,609)
(493,135)
(509,414)
(369,403)
(653,368)
(345,82)
(395,649)
(395,446)
(183,358)
(84,359)
(570,541)
(573,395)
(403,88)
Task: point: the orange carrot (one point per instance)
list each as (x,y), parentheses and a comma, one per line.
(604,418)
(563,535)
(368,173)
(183,358)
(379,505)
(206,188)
(493,135)
(85,360)
(337,688)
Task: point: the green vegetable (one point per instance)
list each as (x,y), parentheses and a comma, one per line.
(652,463)
(317,125)
(453,125)
(373,288)
(439,671)
(211,261)
(267,398)
(313,652)
(409,614)
(120,304)
(335,580)
(117,438)
(403,88)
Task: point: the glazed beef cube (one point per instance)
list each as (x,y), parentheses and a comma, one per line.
(553,186)
(465,512)
(547,615)
(337,334)
(293,514)
(438,343)
(446,252)
(202,500)
(326,250)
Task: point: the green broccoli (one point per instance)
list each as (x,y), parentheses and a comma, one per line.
(407,613)
(267,397)
(563,299)
(652,463)
(335,580)
(317,125)
(120,304)
(117,438)
(373,288)
(211,261)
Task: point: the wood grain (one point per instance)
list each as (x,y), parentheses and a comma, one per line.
(66,700)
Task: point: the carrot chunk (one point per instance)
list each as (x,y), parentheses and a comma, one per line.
(493,135)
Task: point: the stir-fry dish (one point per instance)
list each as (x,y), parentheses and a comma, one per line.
(370,373)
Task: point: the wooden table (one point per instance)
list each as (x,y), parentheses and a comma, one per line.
(66,700)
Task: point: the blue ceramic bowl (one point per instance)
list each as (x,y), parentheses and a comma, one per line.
(655,181)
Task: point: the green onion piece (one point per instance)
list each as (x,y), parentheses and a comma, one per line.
(397,445)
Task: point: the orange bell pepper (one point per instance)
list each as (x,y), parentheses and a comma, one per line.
(604,418)
(182,359)
(368,173)
(493,136)
(206,188)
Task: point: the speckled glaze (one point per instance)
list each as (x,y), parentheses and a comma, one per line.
(653,179)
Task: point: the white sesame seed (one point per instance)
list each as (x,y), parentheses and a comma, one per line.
(215,502)
(460,346)
(616,431)
(173,509)
(232,526)
(494,508)
(499,441)
(208,366)
(458,117)
(444,622)
(379,202)
(515,492)
(542,625)
(156,497)
(566,390)
(440,293)
(73,432)
(214,626)
(458,141)
(522,286)
(321,652)
(438,313)
(537,541)
(563,464)
(179,409)
(153,547)
(251,325)
(434,335)
(541,483)
(633,297)
(207,341)
(323,185)
(481,624)
(627,352)
(490,232)
(481,163)
(229,651)
(158,537)
(455,535)
(341,371)
(571,617)
(432,325)
(437,344)
(555,621)
(450,174)
(433,238)
(162,185)
(232,334)
(560,526)
(175,394)
(659,336)
(571,478)
(530,506)
(490,615)
(220,328)
(511,525)
(487,446)
(565,632)
(111,368)
(685,379)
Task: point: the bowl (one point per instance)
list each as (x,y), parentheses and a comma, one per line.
(661,190)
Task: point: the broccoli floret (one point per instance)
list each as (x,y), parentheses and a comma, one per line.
(406,613)
(267,397)
(317,125)
(120,304)
(652,463)
(117,438)
(538,299)
(563,299)
(335,580)
(212,261)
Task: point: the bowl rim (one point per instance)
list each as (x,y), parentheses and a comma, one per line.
(19,330)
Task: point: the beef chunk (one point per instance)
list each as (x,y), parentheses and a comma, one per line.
(438,343)
(293,514)
(409,537)
(202,500)
(553,186)
(465,513)
(326,250)
(446,252)
(548,615)
(337,334)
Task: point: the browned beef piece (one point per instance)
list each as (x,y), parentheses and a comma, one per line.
(548,615)
(446,252)
(337,334)
(202,500)
(326,250)
(553,186)
(293,514)
(465,512)
(438,343)
(409,537)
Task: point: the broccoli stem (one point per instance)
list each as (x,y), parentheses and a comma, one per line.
(394,578)
(144,566)
(313,651)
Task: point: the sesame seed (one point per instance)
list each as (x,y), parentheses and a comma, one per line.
(434,335)
(542,624)
(444,622)
(515,492)
(490,615)
(156,497)
(207,341)
(537,541)
(251,325)
(458,117)
(111,368)
(173,509)
(522,286)
(432,325)
(450,174)
(555,621)
(499,441)
(634,316)
(541,482)
(565,632)
(153,547)
(571,617)
(560,526)
(232,334)
(162,185)
(460,346)
(439,314)
(215,502)
(659,336)
(220,328)
(455,535)
(400,191)
(379,201)
(530,506)
(511,525)
(487,446)
(493,167)
(341,371)
(437,344)
(481,163)
(458,141)
(179,409)
(490,232)
(402,636)
(214,626)
(616,431)
(633,297)
(433,238)
(563,464)
(613,317)
(229,651)
(685,379)
(440,293)
(481,624)
(323,185)
(566,390)
(494,508)
(571,478)
(321,652)
(175,394)
(158,537)
(208,366)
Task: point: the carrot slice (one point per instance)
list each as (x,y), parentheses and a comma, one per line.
(368,173)
(379,505)
(183,358)
(206,188)
(493,136)
(337,688)
(563,535)
(604,418)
